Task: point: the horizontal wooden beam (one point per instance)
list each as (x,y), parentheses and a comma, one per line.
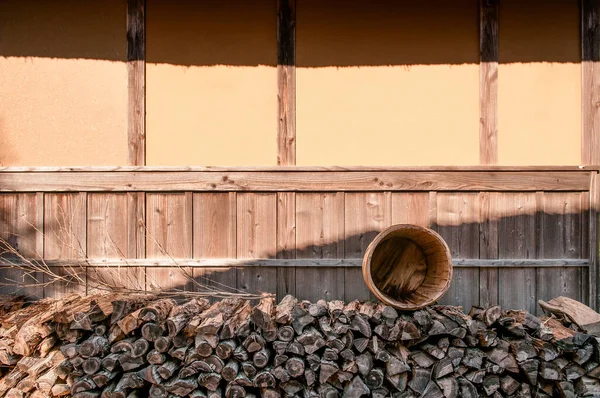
(101,169)
(347,262)
(292,181)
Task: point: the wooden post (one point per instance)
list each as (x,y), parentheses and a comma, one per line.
(136,71)
(590,138)
(286,82)
(488,82)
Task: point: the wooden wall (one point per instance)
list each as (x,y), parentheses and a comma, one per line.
(515,236)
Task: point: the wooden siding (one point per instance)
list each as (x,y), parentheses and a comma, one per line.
(511,244)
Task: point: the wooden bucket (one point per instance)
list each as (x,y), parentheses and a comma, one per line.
(407,266)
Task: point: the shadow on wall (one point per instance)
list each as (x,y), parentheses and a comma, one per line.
(541,235)
(337,33)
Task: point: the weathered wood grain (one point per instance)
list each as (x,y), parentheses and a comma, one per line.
(256,238)
(590,81)
(20,229)
(215,237)
(294,181)
(65,238)
(112,233)
(488,248)
(593,244)
(561,224)
(516,239)
(169,235)
(366,214)
(458,223)
(320,235)
(488,82)
(286,82)
(109,223)
(411,208)
(286,242)
(136,82)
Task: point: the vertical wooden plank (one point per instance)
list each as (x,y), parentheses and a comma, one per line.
(365,215)
(136,72)
(410,208)
(19,226)
(458,224)
(65,238)
(256,238)
(169,235)
(560,237)
(590,82)
(215,237)
(286,82)
(320,234)
(516,213)
(593,246)
(286,242)
(136,202)
(488,82)
(488,248)
(109,227)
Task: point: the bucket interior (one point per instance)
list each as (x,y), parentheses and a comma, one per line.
(410,268)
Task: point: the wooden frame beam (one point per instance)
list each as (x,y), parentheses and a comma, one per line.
(488,82)
(136,87)
(286,82)
(301,262)
(285,180)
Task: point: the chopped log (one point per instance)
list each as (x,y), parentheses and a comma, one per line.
(264,379)
(178,353)
(262,317)
(60,390)
(576,312)
(157,311)
(509,385)
(205,344)
(261,358)
(235,391)
(360,324)
(420,380)
(574,371)
(283,311)
(330,355)
(103,377)
(549,371)
(449,387)
(467,390)
(181,387)
(566,389)
(243,381)
(236,325)
(254,342)
(115,334)
(311,339)
(225,348)
(140,347)
(168,369)
(374,378)
(285,333)
(300,319)
(475,376)
(130,322)
(151,331)
(360,344)
(327,369)
(318,309)
(356,389)
(156,358)
(92,365)
(210,381)
(128,362)
(110,362)
(364,363)
(230,370)
(249,369)
(295,367)
(530,369)
(295,348)
(422,359)
(587,386)
(442,368)
(241,354)
(151,374)
(94,346)
(83,384)
(491,383)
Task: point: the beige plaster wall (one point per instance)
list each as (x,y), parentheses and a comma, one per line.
(387,83)
(211,82)
(539,83)
(63,82)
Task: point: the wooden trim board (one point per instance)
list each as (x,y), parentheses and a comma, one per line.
(136,87)
(293,181)
(338,262)
(286,82)
(590,78)
(488,82)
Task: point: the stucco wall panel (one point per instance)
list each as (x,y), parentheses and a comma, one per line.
(539,83)
(211,82)
(388,83)
(63,83)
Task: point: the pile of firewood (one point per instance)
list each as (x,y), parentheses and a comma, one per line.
(147,346)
